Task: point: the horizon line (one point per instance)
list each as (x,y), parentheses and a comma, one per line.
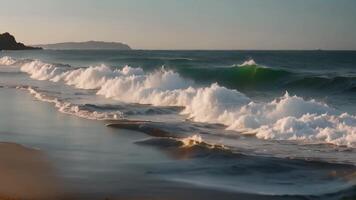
(210,49)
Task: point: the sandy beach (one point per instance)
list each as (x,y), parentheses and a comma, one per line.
(26,174)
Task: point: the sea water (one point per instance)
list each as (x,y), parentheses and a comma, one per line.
(271,123)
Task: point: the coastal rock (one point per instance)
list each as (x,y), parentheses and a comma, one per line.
(8,42)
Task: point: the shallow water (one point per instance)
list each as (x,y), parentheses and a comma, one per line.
(194,136)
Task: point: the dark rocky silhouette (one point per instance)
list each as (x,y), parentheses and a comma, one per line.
(86,45)
(8,42)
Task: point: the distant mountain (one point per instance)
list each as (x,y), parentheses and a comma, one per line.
(8,42)
(86,45)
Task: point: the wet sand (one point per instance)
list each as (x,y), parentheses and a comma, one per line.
(26,174)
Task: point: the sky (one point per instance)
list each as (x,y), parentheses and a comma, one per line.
(185,24)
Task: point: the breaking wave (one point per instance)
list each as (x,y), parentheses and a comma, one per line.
(285,118)
(239,77)
(6,60)
(250,62)
(73,109)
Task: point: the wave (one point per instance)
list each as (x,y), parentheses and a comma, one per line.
(97,111)
(73,109)
(285,118)
(6,60)
(249,62)
(287,175)
(41,71)
(186,142)
(251,75)
(240,77)
(244,76)
(339,83)
(190,147)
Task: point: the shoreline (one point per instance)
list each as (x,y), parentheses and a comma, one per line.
(19,163)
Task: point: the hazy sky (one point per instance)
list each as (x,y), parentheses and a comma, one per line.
(185,24)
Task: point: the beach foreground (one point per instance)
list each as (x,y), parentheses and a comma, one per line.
(26,174)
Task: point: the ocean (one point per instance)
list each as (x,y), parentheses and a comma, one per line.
(270,124)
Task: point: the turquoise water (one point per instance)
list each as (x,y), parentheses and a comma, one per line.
(209,121)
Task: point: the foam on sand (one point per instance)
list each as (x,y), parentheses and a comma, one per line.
(73,109)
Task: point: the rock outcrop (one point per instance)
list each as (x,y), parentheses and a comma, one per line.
(8,42)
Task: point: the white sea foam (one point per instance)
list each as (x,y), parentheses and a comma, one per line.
(285,118)
(6,60)
(293,118)
(249,62)
(73,109)
(41,71)
(191,140)
(94,77)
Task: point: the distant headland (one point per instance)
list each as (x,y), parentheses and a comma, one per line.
(8,42)
(86,45)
